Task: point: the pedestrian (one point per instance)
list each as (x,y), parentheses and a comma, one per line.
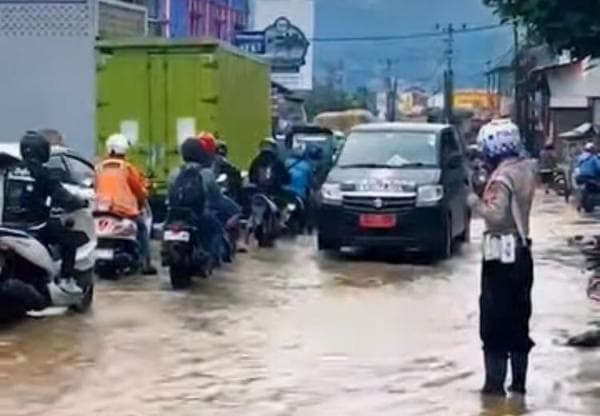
(507,270)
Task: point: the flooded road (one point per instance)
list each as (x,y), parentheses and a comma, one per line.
(291,332)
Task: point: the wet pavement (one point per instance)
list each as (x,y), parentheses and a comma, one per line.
(291,332)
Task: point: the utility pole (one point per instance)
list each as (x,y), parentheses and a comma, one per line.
(391,91)
(517,74)
(449,75)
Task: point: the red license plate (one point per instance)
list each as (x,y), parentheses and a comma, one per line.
(377,221)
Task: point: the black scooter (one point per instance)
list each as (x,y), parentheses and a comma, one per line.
(184,251)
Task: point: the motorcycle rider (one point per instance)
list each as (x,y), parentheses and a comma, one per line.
(507,271)
(301,172)
(267,171)
(123,189)
(31,192)
(219,211)
(588,165)
(224,166)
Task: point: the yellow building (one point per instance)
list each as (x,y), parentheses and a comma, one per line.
(475,100)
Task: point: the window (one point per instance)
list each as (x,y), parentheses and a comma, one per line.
(80,172)
(395,149)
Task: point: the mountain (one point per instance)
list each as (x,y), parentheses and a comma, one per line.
(416,61)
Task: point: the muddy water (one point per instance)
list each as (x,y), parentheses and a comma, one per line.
(289,332)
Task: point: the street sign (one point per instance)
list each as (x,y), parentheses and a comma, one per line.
(251,41)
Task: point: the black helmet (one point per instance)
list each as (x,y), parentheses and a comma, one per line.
(222,148)
(35,148)
(191,150)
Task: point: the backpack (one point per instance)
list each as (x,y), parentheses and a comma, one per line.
(187,191)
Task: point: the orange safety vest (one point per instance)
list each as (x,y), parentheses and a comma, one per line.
(120,188)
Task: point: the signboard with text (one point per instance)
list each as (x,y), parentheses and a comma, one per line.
(282,33)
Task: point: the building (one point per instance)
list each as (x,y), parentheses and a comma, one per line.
(219,19)
(118,18)
(563,97)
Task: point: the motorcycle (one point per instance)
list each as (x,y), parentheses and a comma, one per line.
(183,250)
(30,268)
(293,214)
(118,251)
(589,194)
(264,221)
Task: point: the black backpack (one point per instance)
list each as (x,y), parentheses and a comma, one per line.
(187,191)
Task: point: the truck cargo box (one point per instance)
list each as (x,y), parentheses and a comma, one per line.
(159,92)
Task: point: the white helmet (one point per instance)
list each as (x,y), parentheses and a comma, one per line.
(499,139)
(117,144)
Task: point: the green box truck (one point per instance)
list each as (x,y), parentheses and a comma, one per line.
(159,92)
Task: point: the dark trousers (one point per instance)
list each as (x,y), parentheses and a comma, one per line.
(505,305)
(56,233)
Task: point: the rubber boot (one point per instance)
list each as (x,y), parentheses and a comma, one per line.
(495,374)
(519,363)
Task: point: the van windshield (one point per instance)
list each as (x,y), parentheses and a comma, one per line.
(389,149)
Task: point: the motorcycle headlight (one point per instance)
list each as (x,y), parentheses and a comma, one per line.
(429,195)
(331,193)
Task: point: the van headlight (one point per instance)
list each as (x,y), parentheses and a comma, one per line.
(331,193)
(429,195)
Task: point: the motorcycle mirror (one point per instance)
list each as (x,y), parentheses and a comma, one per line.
(88,182)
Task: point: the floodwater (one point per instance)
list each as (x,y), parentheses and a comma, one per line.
(290,332)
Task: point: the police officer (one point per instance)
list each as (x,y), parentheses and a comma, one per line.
(31,191)
(507,272)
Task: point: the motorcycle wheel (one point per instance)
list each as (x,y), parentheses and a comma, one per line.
(586,203)
(263,238)
(86,282)
(180,278)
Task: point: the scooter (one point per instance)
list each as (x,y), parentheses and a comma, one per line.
(118,251)
(184,251)
(589,193)
(30,271)
(264,223)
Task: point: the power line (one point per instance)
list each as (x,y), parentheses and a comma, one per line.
(410,36)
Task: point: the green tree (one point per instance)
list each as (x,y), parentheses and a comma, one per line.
(325,97)
(573,25)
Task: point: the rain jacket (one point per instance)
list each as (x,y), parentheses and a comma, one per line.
(513,178)
(301,176)
(120,187)
(588,165)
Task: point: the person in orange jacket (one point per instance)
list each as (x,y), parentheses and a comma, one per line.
(122,189)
